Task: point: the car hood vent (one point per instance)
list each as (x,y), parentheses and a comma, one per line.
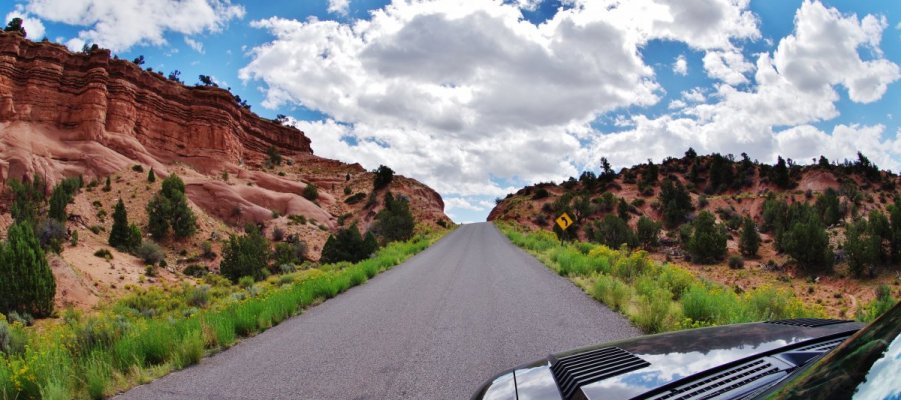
(721,383)
(825,346)
(807,322)
(574,371)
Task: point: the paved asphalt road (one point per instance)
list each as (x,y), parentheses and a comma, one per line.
(436,327)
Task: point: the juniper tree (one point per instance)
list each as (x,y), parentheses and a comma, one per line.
(26,282)
(119,234)
(750,238)
(707,243)
(246,255)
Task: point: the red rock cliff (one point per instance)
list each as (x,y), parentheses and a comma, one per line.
(93,97)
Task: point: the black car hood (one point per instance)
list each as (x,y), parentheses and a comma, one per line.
(669,358)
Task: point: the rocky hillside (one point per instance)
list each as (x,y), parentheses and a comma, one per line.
(730,189)
(65,114)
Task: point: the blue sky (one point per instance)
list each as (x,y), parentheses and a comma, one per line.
(477,99)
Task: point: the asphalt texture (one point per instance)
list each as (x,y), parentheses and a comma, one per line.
(435,327)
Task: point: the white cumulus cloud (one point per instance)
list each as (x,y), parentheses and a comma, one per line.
(463,95)
(194,44)
(119,25)
(680,66)
(791,88)
(338,6)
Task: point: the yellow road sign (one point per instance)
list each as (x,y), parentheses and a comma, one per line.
(564,221)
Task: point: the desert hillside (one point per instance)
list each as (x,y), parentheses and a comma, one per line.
(634,207)
(93,116)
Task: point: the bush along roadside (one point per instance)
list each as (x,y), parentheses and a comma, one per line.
(152,332)
(655,297)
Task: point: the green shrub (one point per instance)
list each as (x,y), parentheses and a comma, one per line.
(768,303)
(196,270)
(246,255)
(150,253)
(675,202)
(709,305)
(395,222)
(880,305)
(571,262)
(103,253)
(383,177)
(750,238)
(807,243)
(190,349)
(647,231)
(169,208)
(736,262)
(707,243)
(137,168)
(311,192)
(348,245)
(676,279)
(611,291)
(97,376)
(630,267)
(289,253)
(656,312)
(613,232)
(356,198)
(198,296)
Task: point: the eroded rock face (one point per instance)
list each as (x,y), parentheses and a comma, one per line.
(92,97)
(65,114)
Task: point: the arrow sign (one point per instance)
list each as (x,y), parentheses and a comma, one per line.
(564,221)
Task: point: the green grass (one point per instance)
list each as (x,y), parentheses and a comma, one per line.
(656,297)
(154,331)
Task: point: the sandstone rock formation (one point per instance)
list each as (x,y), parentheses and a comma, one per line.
(65,114)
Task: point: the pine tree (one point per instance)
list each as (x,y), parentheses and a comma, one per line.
(134,237)
(184,223)
(151,177)
(158,216)
(750,238)
(26,282)
(780,174)
(59,199)
(119,234)
(108,185)
(27,198)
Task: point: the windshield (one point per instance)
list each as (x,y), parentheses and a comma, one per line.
(867,366)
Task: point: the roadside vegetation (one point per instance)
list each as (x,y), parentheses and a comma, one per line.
(740,222)
(152,332)
(660,297)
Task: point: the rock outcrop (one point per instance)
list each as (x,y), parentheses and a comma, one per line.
(137,113)
(90,114)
